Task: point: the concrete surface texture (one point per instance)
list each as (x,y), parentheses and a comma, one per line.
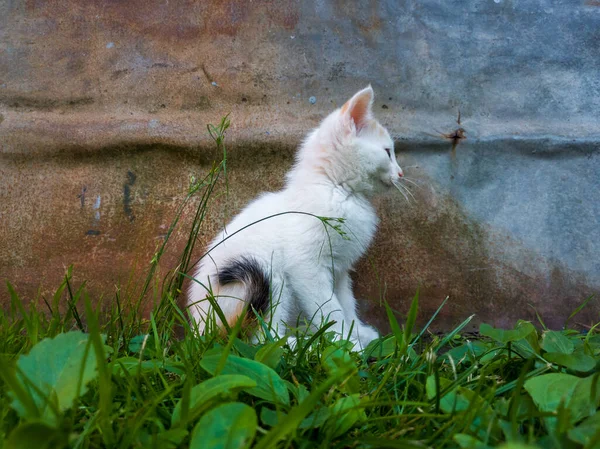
(103,107)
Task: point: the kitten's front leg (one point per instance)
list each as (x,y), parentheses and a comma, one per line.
(343,290)
(319,302)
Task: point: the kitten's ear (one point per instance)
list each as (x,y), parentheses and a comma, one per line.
(358,108)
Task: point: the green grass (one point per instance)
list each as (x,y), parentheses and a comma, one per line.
(74,376)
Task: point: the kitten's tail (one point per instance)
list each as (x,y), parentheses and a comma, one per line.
(249,272)
(239,282)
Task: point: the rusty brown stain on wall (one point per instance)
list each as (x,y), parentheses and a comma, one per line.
(137,57)
(182,21)
(431,244)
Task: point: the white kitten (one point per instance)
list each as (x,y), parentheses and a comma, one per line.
(292,265)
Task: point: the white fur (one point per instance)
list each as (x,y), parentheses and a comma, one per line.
(338,168)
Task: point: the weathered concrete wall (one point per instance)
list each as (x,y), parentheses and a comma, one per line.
(113,96)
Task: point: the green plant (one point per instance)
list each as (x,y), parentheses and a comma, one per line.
(92,379)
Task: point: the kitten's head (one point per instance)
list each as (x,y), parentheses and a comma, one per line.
(351,149)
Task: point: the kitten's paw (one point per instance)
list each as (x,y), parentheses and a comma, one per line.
(366,334)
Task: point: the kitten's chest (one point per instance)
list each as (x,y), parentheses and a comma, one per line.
(358,229)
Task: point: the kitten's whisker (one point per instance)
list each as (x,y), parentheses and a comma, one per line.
(401,192)
(407,190)
(412,182)
(410,193)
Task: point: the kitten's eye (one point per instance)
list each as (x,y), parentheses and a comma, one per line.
(387,150)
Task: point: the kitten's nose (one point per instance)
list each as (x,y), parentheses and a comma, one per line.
(400,174)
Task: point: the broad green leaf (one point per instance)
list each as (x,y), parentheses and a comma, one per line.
(228,426)
(313,421)
(135,344)
(585,398)
(549,390)
(489,356)
(247,351)
(54,373)
(169,439)
(345,413)
(553,341)
(579,395)
(587,430)
(36,435)
(381,347)
(219,386)
(269,385)
(271,417)
(431,388)
(532,342)
(576,362)
(527,347)
(468,442)
(271,353)
(145,342)
(522,330)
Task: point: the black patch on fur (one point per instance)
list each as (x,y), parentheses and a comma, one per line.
(249,271)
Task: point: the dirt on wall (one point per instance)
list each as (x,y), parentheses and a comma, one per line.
(107,213)
(104,106)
